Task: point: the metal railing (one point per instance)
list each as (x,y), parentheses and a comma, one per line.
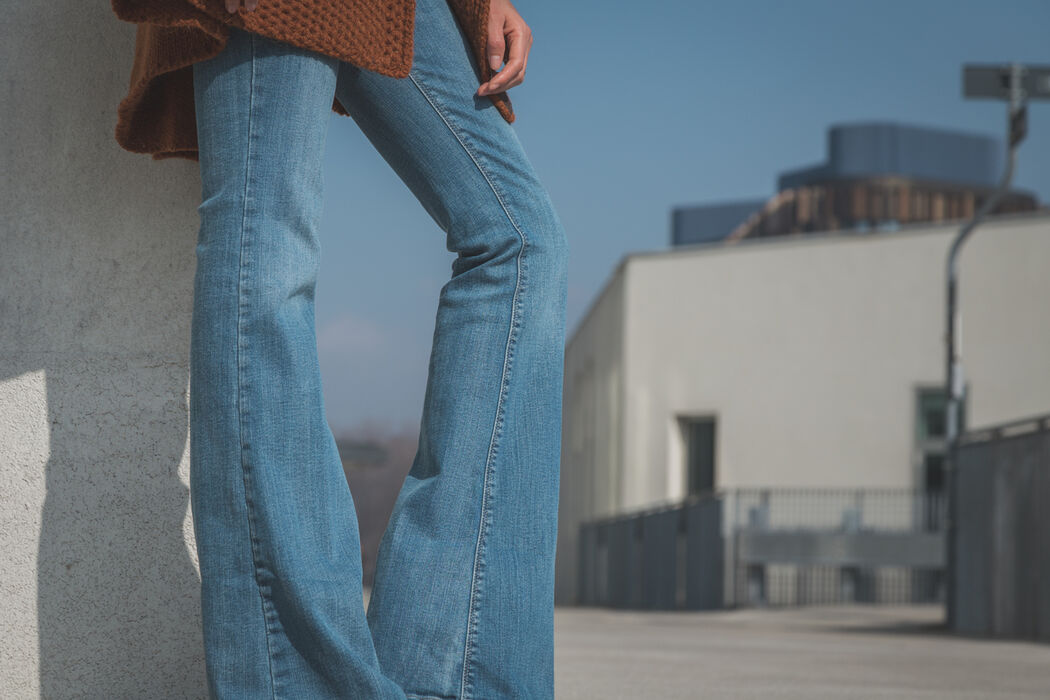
(768,546)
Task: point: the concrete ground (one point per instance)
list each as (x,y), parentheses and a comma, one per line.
(834,652)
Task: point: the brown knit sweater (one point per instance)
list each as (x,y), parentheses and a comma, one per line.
(157,116)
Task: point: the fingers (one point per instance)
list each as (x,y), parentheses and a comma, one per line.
(514,72)
(496,45)
(518,41)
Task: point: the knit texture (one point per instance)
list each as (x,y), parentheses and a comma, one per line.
(158,116)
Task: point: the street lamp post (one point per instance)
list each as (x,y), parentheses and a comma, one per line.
(1016,84)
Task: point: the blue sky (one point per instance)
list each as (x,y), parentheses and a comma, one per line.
(630,109)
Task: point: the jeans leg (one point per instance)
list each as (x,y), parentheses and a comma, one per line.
(276,529)
(462,605)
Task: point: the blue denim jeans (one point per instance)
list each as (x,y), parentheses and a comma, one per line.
(462,605)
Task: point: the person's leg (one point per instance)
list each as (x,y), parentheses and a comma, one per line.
(462,605)
(276,530)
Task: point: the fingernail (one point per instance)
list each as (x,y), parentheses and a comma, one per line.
(494,62)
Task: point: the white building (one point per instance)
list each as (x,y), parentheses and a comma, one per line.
(800,361)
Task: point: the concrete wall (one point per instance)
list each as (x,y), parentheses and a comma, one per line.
(98,575)
(592,458)
(809,351)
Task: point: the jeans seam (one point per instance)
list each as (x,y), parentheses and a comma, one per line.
(477,576)
(241,409)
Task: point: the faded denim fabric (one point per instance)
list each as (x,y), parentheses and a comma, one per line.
(462,605)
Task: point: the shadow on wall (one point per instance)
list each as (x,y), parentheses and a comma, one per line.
(95,300)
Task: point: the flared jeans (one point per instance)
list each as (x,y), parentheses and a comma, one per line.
(462,604)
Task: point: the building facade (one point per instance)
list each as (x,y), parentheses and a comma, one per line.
(814,361)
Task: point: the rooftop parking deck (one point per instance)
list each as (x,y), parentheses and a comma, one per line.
(833,652)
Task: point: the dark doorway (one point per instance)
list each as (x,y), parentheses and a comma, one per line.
(698,437)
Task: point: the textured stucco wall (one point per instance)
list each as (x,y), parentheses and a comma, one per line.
(98,580)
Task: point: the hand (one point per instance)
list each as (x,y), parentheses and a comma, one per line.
(249,5)
(510,37)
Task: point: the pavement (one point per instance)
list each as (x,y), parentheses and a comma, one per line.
(839,652)
(834,652)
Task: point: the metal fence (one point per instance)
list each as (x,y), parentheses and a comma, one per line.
(773,546)
(810,546)
(666,558)
(1002,534)
(887,509)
